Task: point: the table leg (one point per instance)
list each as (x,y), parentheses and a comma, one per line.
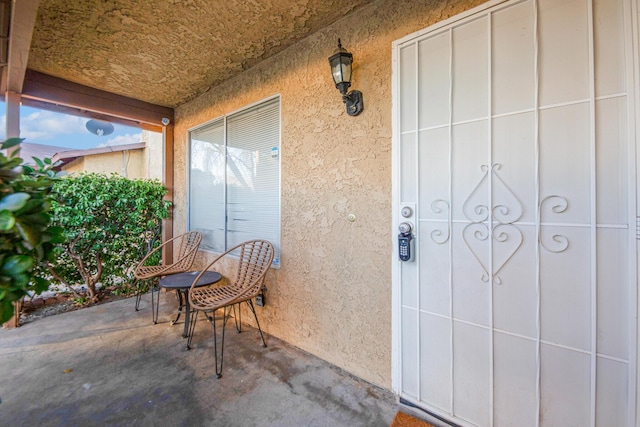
(187,314)
(181,306)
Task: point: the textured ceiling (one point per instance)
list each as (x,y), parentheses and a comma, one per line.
(167,52)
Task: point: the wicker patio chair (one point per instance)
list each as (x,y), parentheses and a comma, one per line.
(251,267)
(188,244)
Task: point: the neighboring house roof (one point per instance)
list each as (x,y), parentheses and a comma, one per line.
(29,150)
(66,155)
(70,155)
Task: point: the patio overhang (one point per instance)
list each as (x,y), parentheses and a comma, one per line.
(134,61)
(23,86)
(161,53)
(52,93)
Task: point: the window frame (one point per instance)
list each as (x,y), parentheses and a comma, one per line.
(224,121)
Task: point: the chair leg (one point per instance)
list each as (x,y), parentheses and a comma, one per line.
(138,294)
(155,303)
(253,310)
(192,327)
(226,313)
(237,318)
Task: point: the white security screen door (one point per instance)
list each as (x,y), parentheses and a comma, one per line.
(514,149)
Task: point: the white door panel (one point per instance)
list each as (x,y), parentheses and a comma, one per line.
(609,48)
(514,372)
(564,51)
(512,64)
(470,65)
(512,142)
(434,57)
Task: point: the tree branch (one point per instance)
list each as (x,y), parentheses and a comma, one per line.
(57,277)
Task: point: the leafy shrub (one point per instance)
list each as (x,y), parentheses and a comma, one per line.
(26,236)
(109,224)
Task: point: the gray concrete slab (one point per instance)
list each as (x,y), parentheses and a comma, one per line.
(108,365)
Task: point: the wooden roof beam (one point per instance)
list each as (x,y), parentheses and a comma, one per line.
(52,93)
(22,23)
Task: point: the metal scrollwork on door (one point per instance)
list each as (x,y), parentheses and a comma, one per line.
(555,243)
(440,235)
(497,222)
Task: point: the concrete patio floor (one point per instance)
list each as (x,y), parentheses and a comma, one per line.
(108,365)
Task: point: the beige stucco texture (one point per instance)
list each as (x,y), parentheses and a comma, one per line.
(131,164)
(332,294)
(134,164)
(121,45)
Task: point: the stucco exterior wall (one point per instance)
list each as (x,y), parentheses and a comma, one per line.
(153,154)
(332,295)
(76,166)
(131,164)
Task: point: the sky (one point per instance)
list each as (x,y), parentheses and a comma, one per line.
(61,130)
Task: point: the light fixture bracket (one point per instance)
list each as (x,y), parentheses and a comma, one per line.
(353,102)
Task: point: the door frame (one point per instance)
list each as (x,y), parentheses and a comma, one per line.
(632,33)
(633,70)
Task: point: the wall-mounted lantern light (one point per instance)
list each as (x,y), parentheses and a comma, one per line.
(340,63)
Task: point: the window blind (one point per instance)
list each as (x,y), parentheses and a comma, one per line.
(235,178)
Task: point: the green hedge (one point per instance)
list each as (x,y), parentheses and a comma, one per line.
(109,224)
